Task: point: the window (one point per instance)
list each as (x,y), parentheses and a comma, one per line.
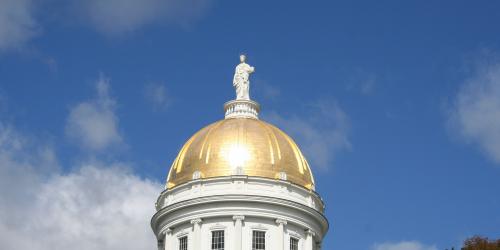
(218,240)
(258,240)
(294,244)
(183,243)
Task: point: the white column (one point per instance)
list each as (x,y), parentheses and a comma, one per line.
(238,222)
(161,241)
(197,233)
(309,240)
(281,238)
(168,240)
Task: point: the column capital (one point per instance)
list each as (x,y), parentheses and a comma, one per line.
(168,231)
(281,221)
(310,232)
(196,221)
(238,217)
(197,228)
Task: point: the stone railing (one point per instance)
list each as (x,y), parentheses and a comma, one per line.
(241,109)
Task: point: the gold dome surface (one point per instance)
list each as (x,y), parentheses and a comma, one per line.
(243,146)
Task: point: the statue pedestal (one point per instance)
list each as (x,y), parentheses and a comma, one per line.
(241,109)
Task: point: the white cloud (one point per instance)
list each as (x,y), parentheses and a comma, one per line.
(18,157)
(404,245)
(123,16)
(475,114)
(17,24)
(321,135)
(93,124)
(157,95)
(96,206)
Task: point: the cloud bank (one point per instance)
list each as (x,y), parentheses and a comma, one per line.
(321,135)
(404,245)
(475,113)
(95,206)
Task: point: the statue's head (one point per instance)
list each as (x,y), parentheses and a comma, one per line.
(243,58)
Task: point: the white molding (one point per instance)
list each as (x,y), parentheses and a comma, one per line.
(223,206)
(182,234)
(258,227)
(238,217)
(259,203)
(217,227)
(294,234)
(247,185)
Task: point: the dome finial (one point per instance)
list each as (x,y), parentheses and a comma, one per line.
(241,81)
(242,107)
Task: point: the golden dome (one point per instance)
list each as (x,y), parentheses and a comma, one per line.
(244,146)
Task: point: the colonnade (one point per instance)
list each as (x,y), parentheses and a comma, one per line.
(309,243)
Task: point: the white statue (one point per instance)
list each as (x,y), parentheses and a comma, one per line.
(240,81)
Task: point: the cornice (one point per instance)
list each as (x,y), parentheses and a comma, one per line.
(251,207)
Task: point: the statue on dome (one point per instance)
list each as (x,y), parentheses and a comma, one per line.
(241,80)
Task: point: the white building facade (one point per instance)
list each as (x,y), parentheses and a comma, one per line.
(240,184)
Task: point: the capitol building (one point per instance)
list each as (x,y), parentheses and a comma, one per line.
(240,184)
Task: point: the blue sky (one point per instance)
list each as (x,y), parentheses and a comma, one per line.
(395,104)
